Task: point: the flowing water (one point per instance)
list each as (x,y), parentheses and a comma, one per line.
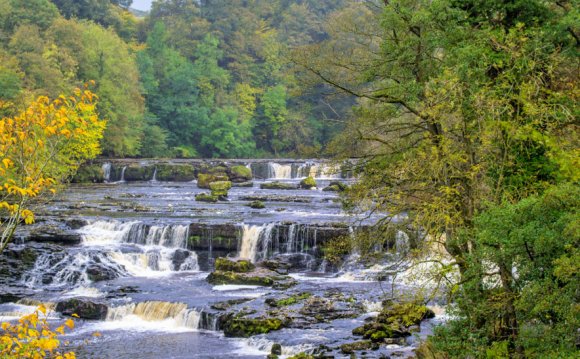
(145,248)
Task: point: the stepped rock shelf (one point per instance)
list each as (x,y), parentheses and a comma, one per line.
(140,260)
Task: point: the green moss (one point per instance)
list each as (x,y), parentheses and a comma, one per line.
(206,197)
(220,278)
(174,172)
(239,266)
(302,356)
(89,173)
(138,173)
(246,327)
(240,173)
(405,314)
(257,205)
(356,346)
(204,179)
(220,188)
(288,301)
(308,183)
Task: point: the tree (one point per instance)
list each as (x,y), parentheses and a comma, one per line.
(41,147)
(454,115)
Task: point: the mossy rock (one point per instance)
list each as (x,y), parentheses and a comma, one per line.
(138,173)
(308,183)
(206,197)
(276,349)
(240,174)
(257,205)
(336,187)
(278,185)
(217,170)
(220,188)
(204,179)
(220,278)
(246,327)
(237,266)
(405,314)
(84,309)
(175,173)
(350,348)
(89,173)
(248,184)
(284,302)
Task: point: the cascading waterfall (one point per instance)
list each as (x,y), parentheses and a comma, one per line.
(154,178)
(123,174)
(107,171)
(173,314)
(251,237)
(112,249)
(278,171)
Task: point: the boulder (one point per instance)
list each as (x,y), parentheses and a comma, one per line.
(276,349)
(259,276)
(350,348)
(308,183)
(220,188)
(204,179)
(97,273)
(206,197)
(89,173)
(248,184)
(246,327)
(240,174)
(175,172)
(257,205)
(234,265)
(83,308)
(336,186)
(139,173)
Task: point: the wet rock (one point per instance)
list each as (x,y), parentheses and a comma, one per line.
(138,173)
(55,233)
(396,320)
(240,174)
(259,276)
(83,308)
(308,183)
(257,205)
(234,265)
(324,310)
(175,172)
(246,327)
(206,197)
(350,348)
(179,257)
(276,349)
(76,223)
(220,188)
(89,173)
(204,179)
(276,265)
(278,185)
(287,301)
(336,186)
(97,273)
(229,303)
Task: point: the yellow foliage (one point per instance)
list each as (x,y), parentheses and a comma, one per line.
(32,337)
(41,147)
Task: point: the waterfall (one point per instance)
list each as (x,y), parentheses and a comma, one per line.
(123,174)
(154,178)
(174,314)
(251,238)
(112,249)
(278,171)
(107,171)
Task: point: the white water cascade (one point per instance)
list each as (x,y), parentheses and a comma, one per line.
(251,238)
(123,174)
(278,171)
(169,315)
(107,171)
(112,249)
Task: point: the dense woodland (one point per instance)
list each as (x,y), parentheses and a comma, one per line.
(191,79)
(462,116)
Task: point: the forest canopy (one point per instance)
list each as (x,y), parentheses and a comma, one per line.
(190,79)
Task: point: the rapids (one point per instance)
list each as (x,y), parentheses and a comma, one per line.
(144,248)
